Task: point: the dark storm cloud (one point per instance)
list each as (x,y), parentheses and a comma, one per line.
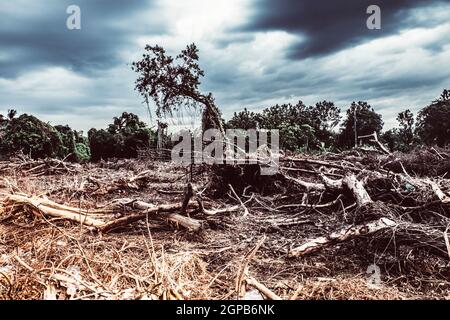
(229,39)
(245,66)
(329,26)
(37,35)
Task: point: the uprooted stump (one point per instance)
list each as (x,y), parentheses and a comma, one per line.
(240,177)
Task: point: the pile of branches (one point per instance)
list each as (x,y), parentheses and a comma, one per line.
(312,204)
(115,215)
(422,162)
(391,208)
(30,167)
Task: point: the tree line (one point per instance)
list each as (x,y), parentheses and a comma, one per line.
(302,128)
(321,127)
(28,135)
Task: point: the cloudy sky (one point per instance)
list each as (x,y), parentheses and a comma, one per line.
(255,53)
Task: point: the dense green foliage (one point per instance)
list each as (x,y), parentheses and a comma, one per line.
(122,139)
(367,122)
(402,138)
(433,121)
(244,120)
(75,146)
(312,128)
(301,127)
(31,136)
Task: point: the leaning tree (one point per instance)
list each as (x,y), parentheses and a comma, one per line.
(174,82)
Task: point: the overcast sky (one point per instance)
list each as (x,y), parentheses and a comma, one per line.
(255,53)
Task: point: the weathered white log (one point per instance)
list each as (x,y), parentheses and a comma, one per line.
(149,210)
(47,207)
(331,184)
(375,140)
(262,288)
(439,193)
(344,234)
(420,234)
(357,189)
(50,208)
(307,185)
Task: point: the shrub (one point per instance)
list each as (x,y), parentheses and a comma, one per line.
(31,136)
(122,139)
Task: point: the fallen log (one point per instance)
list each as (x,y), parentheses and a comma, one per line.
(147,210)
(344,234)
(357,189)
(39,206)
(320,163)
(44,206)
(262,288)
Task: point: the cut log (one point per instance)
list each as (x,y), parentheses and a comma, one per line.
(357,189)
(163,211)
(39,206)
(345,234)
(421,235)
(348,232)
(44,206)
(262,288)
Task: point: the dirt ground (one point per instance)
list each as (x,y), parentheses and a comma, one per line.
(43,257)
